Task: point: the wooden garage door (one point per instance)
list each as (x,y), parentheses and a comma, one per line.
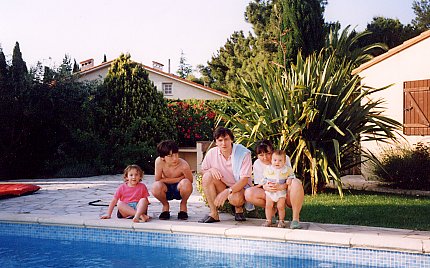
(416,110)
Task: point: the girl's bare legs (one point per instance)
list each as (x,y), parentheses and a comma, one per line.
(125,209)
(141,210)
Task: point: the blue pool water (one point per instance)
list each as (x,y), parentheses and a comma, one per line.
(31,252)
(35,245)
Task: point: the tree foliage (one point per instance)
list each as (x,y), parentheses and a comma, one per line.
(422,12)
(281,27)
(301,28)
(184,69)
(131,115)
(232,60)
(390,32)
(35,117)
(15,113)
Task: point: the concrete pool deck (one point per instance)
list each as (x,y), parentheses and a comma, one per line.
(65,201)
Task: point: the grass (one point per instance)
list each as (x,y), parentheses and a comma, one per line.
(366,209)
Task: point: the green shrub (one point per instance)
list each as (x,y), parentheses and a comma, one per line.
(77,170)
(406,168)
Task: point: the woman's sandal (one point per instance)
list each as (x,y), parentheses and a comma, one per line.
(267,223)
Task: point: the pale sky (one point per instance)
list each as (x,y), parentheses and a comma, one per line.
(150,30)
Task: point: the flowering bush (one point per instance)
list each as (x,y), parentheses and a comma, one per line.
(194,119)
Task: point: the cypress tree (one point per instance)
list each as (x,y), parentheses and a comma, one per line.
(75,66)
(302,28)
(19,72)
(3,71)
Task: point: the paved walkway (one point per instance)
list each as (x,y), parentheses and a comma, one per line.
(66,201)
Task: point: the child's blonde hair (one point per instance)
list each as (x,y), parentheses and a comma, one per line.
(130,167)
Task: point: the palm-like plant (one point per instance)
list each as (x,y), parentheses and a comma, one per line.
(345,45)
(315,110)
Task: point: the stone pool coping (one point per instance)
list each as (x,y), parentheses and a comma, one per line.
(65,202)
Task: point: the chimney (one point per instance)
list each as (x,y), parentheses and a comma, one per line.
(86,64)
(169,66)
(157,65)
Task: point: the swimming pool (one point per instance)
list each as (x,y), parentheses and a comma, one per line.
(38,245)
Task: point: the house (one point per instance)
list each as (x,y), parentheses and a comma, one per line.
(407,68)
(172,86)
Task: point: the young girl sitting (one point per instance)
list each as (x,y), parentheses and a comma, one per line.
(278,172)
(131,197)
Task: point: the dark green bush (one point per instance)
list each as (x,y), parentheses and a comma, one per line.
(405,168)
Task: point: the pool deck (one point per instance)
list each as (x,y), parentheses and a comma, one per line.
(65,201)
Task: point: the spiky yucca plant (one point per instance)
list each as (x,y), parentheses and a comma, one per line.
(315,110)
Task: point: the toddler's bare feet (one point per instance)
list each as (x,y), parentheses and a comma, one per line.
(145,218)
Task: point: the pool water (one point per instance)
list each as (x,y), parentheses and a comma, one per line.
(39,245)
(38,252)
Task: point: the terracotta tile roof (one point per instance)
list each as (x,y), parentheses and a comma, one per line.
(392,51)
(154,70)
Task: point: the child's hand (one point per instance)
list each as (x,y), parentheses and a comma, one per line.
(105,217)
(289,181)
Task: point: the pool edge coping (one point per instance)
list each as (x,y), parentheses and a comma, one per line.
(374,241)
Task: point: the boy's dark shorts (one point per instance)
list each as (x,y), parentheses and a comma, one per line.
(173,192)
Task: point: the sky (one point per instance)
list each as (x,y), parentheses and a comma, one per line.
(150,30)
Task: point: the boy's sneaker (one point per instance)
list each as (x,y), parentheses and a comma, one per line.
(182,215)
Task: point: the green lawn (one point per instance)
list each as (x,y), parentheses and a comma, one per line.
(367,209)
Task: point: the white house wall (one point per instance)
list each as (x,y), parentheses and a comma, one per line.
(181,90)
(412,63)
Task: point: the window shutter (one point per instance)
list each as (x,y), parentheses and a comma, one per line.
(416,110)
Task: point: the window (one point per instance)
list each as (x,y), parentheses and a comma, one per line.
(167,89)
(416,107)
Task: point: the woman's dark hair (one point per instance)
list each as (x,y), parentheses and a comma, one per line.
(221,132)
(168,147)
(263,146)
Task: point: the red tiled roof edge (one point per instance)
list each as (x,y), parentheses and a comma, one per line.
(393,51)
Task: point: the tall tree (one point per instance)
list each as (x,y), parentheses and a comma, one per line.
(16,117)
(422,12)
(231,61)
(75,66)
(132,115)
(19,71)
(184,68)
(301,28)
(390,32)
(281,27)
(3,70)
